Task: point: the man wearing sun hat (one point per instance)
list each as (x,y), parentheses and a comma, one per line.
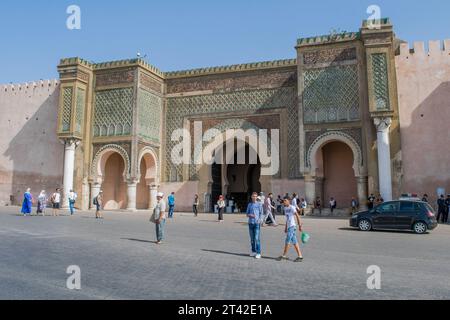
(160,217)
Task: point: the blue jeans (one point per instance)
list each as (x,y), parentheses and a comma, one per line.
(171,207)
(71,207)
(160,230)
(255,238)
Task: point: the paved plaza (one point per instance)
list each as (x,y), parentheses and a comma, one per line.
(202,259)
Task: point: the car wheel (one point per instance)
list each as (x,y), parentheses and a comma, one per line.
(365,225)
(420,227)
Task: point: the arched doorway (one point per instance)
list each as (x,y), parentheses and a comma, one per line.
(335,168)
(113,186)
(147,179)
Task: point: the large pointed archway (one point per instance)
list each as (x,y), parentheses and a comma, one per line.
(335,168)
(110,171)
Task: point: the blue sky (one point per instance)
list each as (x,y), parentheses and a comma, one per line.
(186,34)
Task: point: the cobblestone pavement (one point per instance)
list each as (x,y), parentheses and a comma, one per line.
(202,259)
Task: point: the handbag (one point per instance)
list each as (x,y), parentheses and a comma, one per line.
(155,215)
(305,237)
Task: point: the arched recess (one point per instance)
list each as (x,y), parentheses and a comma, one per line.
(100,158)
(358,161)
(104,172)
(148,174)
(314,171)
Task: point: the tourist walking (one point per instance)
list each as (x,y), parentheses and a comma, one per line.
(56,200)
(98,203)
(292,216)
(268,209)
(27,203)
(303,206)
(171,203)
(72,198)
(318,205)
(221,207)
(195,205)
(333,204)
(441,207)
(371,201)
(354,204)
(42,203)
(159,213)
(255,214)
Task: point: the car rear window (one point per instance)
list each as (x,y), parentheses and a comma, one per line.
(408,206)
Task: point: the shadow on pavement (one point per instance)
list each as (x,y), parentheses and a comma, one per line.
(236,254)
(380,231)
(139,240)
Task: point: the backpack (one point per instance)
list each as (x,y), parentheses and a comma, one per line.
(95,202)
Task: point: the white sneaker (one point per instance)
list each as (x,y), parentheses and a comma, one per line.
(253,254)
(258,256)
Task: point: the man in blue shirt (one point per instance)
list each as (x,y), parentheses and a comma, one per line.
(255,214)
(171,203)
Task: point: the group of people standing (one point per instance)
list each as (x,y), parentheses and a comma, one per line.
(43,200)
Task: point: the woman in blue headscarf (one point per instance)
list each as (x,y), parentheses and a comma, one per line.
(27,202)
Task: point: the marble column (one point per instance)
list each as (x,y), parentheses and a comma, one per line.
(361,183)
(384,157)
(153,193)
(131,193)
(69,167)
(310,189)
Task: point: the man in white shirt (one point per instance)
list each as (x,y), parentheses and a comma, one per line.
(160,217)
(72,198)
(56,200)
(291,227)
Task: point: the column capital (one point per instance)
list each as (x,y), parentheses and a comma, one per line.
(382,123)
(132,181)
(70,141)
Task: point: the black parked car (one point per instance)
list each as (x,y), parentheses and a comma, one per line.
(417,216)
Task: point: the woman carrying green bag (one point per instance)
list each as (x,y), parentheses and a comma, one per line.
(291,231)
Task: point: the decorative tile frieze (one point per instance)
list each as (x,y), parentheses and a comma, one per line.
(114,78)
(380,81)
(149,115)
(66,112)
(329,55)
(79,110)
(331,94)
(150,83)
(113,112)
